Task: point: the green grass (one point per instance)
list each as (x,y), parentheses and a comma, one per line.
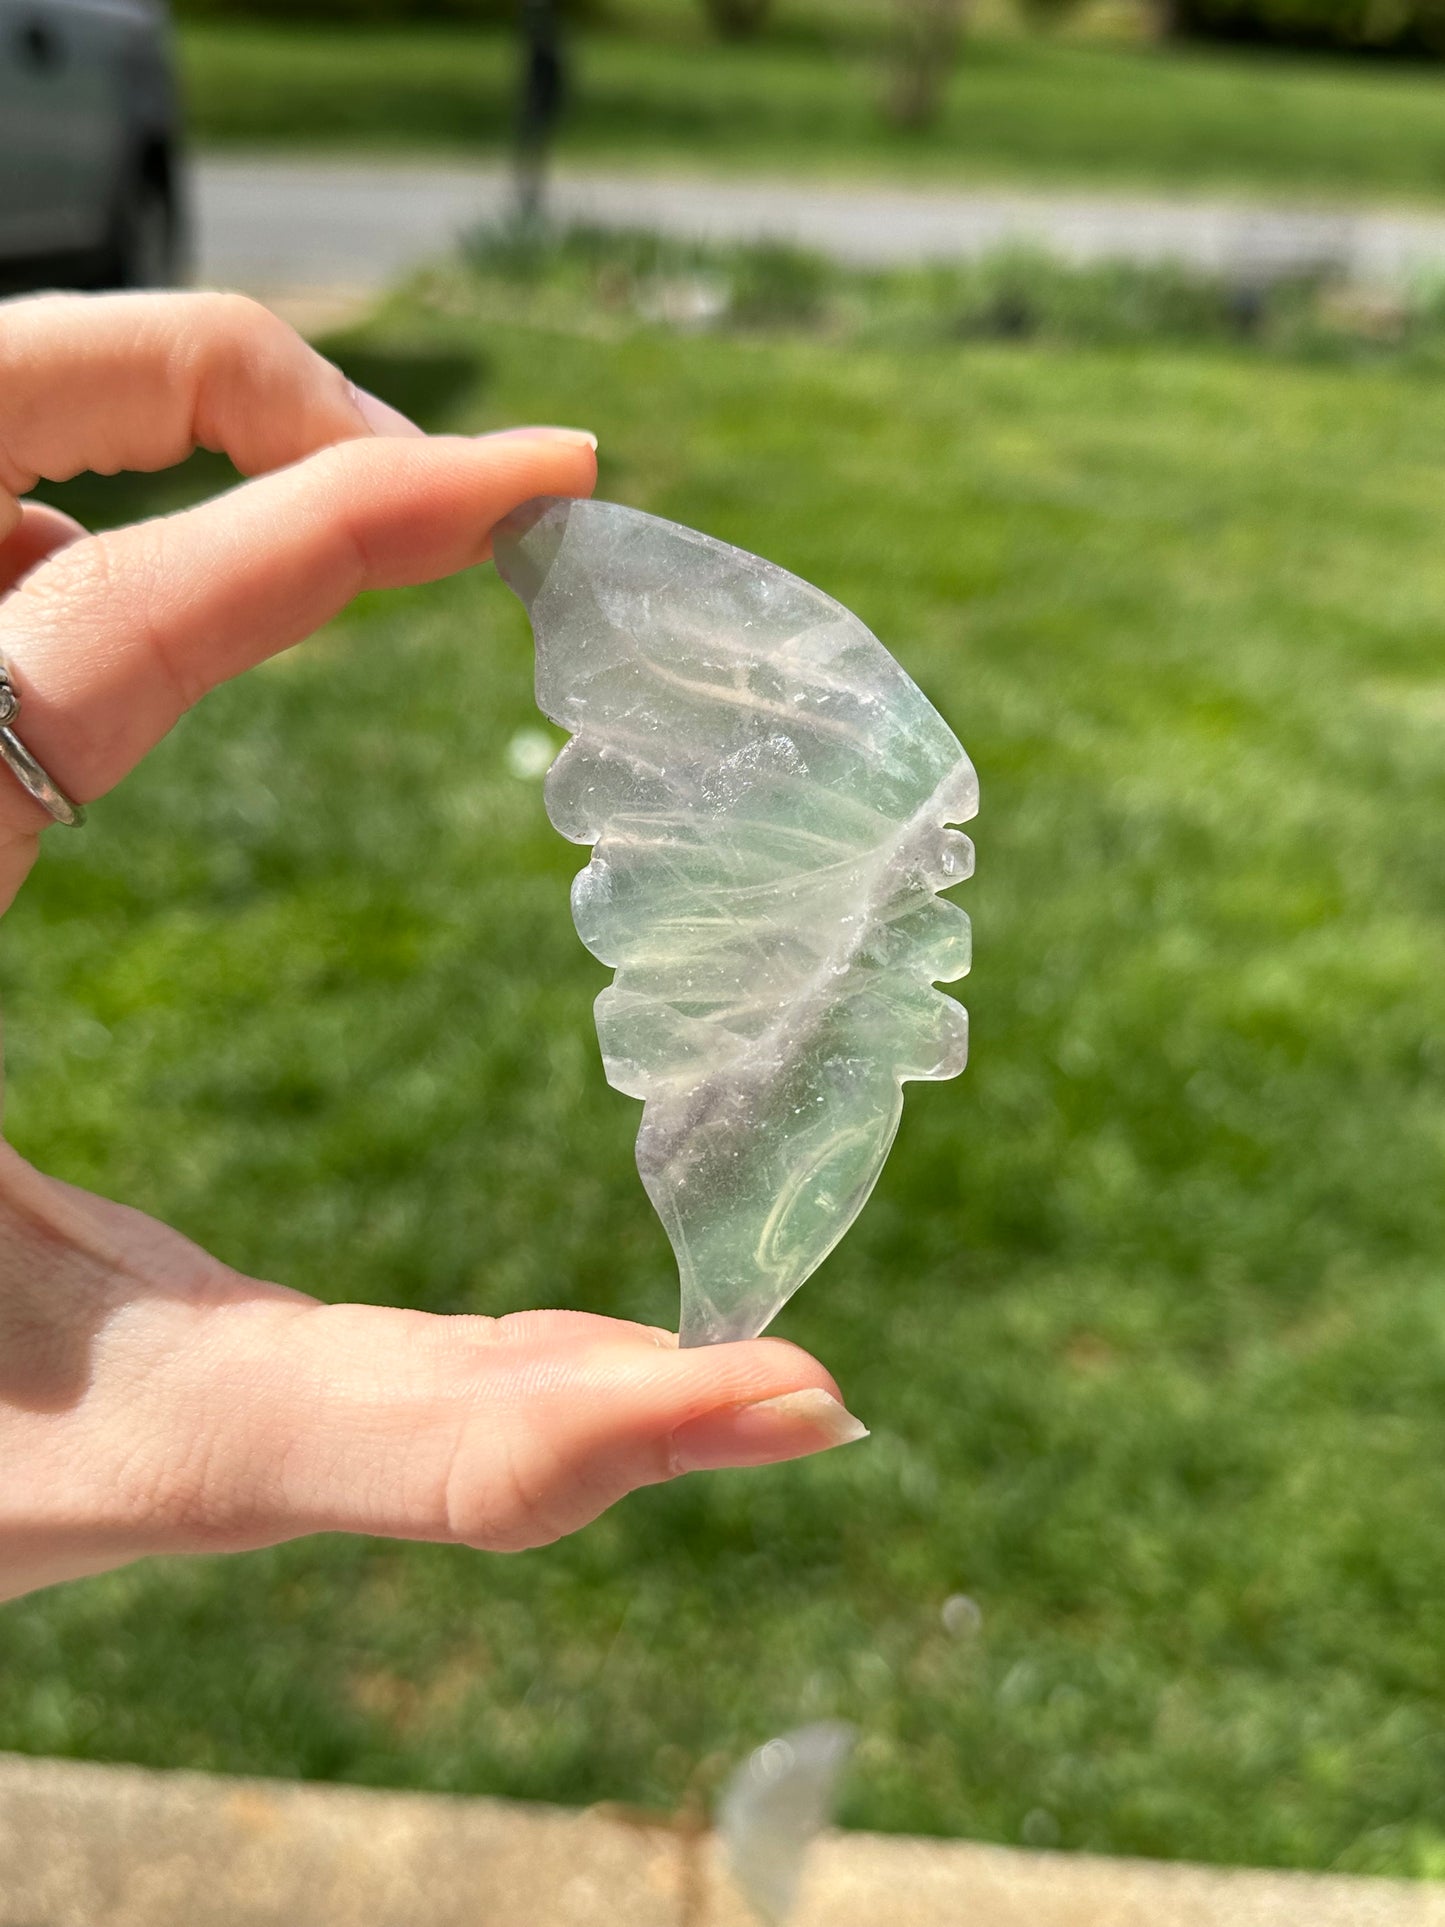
(1147,1314)
(808,100)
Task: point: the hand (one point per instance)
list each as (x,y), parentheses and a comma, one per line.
(151,1399)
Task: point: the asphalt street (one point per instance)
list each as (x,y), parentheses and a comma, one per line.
(268,224)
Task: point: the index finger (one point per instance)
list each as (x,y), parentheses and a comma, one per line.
(136,381)
(114,637)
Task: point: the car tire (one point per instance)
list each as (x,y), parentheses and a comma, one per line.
(145,246)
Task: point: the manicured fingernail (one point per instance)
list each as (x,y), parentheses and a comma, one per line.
(380,417)
(789,1427)
(574,437)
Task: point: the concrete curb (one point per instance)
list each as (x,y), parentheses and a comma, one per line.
(113,1846)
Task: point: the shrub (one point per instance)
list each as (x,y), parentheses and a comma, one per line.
(1011,297)
(1379,26)
(737,19)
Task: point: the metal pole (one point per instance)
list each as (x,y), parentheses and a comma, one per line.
(543,94)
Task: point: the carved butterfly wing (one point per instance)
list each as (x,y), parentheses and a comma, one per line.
(768,796)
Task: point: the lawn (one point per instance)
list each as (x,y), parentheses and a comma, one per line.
(1147,1315)
(807,100)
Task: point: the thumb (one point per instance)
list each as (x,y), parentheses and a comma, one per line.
(497,1433)
(153,1401)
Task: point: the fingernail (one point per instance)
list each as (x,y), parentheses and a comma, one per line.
(380,417)
(574,437)
(789,1427)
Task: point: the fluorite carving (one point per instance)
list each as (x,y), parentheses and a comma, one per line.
(769,799)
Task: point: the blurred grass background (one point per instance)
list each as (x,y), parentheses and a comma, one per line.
(1092,103)
(1145,1554)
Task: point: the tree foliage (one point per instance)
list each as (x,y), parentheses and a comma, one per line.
(1412,27)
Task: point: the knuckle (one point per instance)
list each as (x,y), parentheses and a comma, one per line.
(251,350)
(514,1487)
(247,325)
(500,1498)
(260,388)
(333,476)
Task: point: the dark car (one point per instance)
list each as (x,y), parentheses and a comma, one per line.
(91,189)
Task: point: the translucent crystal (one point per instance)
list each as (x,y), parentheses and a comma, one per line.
(773,1808)
(768,795)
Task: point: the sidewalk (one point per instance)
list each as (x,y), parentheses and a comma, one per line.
(97,1846)
(273,222)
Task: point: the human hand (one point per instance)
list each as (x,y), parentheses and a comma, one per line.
(151,1399)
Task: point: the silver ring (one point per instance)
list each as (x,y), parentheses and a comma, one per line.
(23,766)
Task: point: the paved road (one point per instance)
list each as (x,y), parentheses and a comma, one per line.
(270,224)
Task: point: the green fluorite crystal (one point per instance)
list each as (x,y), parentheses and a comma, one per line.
(768,796)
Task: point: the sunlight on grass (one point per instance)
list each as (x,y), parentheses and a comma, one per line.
(810,101)
(1147,1313)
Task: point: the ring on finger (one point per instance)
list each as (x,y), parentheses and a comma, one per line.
(23,766)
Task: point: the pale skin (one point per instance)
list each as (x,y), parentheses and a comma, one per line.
(153,1400)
